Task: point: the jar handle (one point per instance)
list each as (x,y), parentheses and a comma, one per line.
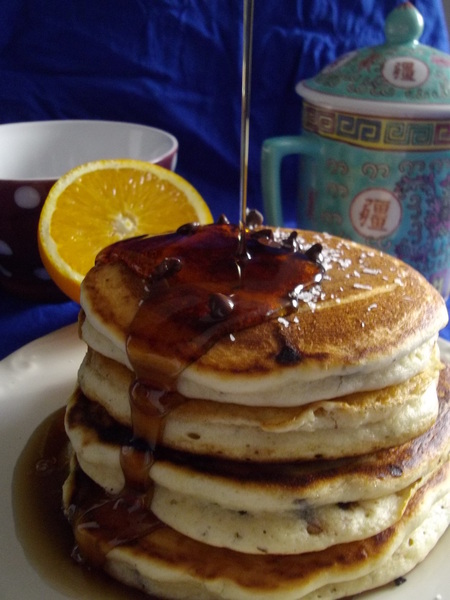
(273,151)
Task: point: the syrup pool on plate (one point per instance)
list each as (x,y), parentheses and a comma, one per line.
(41,527)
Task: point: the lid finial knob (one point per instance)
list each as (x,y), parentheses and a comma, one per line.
(404,25)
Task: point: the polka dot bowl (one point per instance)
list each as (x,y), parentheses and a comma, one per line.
(33,155)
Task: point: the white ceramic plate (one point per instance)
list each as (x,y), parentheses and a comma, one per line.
(34,382)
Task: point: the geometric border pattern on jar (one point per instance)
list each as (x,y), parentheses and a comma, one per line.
(378,133)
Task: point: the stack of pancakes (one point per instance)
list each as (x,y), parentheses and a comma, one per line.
(306,456)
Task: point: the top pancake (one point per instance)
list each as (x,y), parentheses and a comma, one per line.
(371,322)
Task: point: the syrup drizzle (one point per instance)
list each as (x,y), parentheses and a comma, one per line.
(247,37)
(196,292)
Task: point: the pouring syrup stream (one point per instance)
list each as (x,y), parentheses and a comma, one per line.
(248,9)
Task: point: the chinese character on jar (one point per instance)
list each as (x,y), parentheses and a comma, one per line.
(404,71)
(374,214)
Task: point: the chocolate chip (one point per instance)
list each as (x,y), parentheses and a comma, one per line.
(262,233)
(314,528)
(347,505)
(315,253)
(288,355)
(265,238)
(223,220)
(188,228)
(168,267)
(220,306)
(291,242)
(400,581)
(253,218)
(265,241)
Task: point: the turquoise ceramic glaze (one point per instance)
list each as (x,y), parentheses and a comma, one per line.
(375,150)
(399,71)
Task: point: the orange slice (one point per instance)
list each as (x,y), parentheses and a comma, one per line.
(104,201)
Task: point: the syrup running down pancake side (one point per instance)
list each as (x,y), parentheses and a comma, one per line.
(197,286)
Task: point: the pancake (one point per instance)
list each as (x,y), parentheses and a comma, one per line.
(295,531)
(360,423)
(98,439)
(278,487)
(406,556)
(273,423)
(383,313)
(260,507)
(171,565)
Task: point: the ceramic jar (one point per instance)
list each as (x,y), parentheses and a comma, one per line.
(375,150)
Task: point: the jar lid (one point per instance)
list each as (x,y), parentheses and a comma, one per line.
(399,77)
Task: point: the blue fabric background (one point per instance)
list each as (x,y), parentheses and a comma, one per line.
(176,64)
